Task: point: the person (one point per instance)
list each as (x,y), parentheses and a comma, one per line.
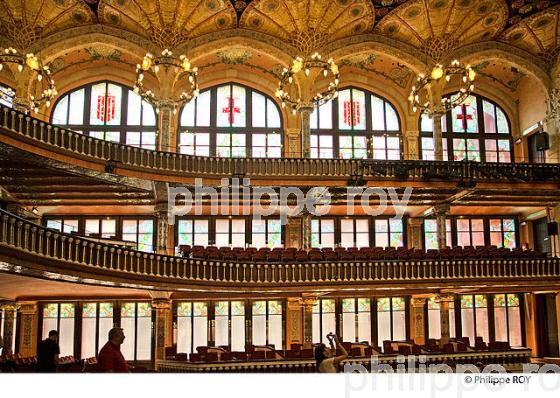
(327,361)
(110,358)
(47,353)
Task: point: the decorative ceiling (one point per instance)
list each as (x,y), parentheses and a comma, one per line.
(434,26)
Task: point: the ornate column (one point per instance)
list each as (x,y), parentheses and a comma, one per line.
(444,317)
(305,111)
(412,150)
(438,137)
(292,143)
(441,214)
(163,327)
(418,320)
(306,231)
(308,303)
(162,229)
(10,313)
(293,233)
(28,328)
(415,225)
(294,326)
(166,114)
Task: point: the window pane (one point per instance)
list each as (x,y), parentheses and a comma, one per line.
(489,117)
(272,115)
(203,109)
(97,111)
(344,110)
(325,116)
(503,126)
(76,115)
(377,113)
(134,109)
(187,114)
(60,113)
(259,111)
(358,109)
(392,118)
(148,114)
(113,105)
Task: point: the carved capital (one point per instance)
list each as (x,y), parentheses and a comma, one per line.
(418,302)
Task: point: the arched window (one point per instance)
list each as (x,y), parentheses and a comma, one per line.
(230,121)
(356,125)
(6,96)
(110,112)
(478,130)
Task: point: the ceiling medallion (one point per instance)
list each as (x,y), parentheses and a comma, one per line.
(175,68)
(10,56)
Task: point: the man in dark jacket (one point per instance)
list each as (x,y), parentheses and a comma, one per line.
(47,353)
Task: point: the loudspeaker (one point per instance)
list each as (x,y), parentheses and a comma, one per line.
(552,228)
(541,141)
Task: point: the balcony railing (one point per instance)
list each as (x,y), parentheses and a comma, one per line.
(23,241)
(38,133)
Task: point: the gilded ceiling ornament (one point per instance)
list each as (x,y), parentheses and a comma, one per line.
(234,56)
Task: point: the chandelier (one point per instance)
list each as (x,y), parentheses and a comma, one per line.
(308,70)
(177,67)
(30,61)
(427,93)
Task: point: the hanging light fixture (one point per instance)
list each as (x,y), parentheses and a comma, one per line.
(181,66)
(309,69)
(426,95)
(43,74)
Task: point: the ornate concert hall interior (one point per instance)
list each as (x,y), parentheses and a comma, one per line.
(423,135)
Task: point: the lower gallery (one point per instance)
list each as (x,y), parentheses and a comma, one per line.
(231,187)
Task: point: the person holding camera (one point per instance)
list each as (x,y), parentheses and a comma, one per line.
(327,361)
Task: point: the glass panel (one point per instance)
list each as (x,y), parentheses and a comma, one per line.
(113,105)
(426,123)
(489,117)
(377,113)
(259,110)
(503,126)
(97,109)
(60,113)
(203,109)
(344,110)
(392,118)
(325,116)
(148,114)
(272,115)
(349,327)
(238,107)
(76,114)
(187,114)
(184,309)
(134,109)
(224,102)
(358,109)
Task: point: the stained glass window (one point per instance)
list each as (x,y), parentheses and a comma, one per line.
(322,233)
(140,231)
(434,319)
(230,313)
(192,232)
(192,326)
(230,232)
(507,319)
(430,234)
(101,227)
(391,319)
(474,317)
(356,320)
(97,320)
(267,323)
(354,233)
(323,320)
(477,130)
(136,320)
(266,233)
(502,233)
(108,111)
(63,224)
(217,123)
(366,126)
(470,232)
(60,317)
(389,233)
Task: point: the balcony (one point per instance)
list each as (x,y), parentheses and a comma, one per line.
(33,135)
(31,249)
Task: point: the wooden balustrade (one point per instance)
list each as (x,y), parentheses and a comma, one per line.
(41,244)
(58,139)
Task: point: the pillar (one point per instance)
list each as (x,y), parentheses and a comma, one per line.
(308,303)
(294,326)
(305,111)
(444,318)
(441,214)
(412,151)
(163,235)
(306,231)
(166,114)
(29,326)
(438,138)
(293,233)
(418,320)
(415,228)
(163,327)
(8,334)
(531,327)
(292,144)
